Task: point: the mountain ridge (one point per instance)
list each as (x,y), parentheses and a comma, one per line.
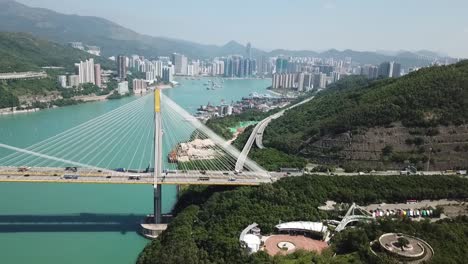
(115,39)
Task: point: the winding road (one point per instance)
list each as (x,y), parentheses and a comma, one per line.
(258,131)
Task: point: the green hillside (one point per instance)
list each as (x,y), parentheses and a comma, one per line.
(23,52)
(427,98)
(209,221)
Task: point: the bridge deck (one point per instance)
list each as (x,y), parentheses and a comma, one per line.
(56,175)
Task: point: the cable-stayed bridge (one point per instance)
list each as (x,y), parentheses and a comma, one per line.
(150,140)
(123,145)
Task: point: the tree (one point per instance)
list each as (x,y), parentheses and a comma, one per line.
(402,243)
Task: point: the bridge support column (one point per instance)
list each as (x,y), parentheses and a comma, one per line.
(157,204)
(153,226)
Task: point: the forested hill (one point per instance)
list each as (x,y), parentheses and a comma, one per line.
(23,52)
(426,98)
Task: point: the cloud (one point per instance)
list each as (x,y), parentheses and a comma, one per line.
(465,31)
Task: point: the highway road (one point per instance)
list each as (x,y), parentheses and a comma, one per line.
(257,134)
(264,123)
(59,175)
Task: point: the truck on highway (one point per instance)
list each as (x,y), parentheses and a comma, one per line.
(204,178)
(134,177)
(121,170)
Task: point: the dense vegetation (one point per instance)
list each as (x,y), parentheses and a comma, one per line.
(221,125)
(30,87)
(447,237)
(84,89)
(7,98)
(426,98)
(207,231)
(23,52)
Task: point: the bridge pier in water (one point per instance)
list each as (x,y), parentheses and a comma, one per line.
(153,226)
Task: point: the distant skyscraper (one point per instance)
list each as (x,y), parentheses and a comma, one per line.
(180,64)
(97,75)
(167,73)
(122,67)
(390,69)
(248,51)
(281,65)
(396,71)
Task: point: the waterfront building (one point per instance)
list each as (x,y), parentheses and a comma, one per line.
(122,67)
(74,80)
(139,86)
(122,88)
(86,71)
(180,64)
(62,80)
(150,76)
(190,70)
(97,75)
(167,74)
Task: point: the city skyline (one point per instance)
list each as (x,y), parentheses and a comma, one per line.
(316,25)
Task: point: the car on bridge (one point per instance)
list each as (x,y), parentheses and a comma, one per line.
(70,177)
(134,177)
(204,178)
(73,169)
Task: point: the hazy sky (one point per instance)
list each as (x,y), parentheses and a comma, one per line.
(438,25)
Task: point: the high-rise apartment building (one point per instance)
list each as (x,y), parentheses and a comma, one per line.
(122,67)
(97,75)
(85,70)
(73,81)
(62,80)
(122,88)
(281,65)
(167,74)
(180,64)
(248,51)
(139,86)
(390,70)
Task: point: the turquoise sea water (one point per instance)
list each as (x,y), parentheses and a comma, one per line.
(110,211)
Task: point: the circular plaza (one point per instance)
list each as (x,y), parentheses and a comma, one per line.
(403,248)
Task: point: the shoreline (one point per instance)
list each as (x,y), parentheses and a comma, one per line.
(15,112)
(78,99)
